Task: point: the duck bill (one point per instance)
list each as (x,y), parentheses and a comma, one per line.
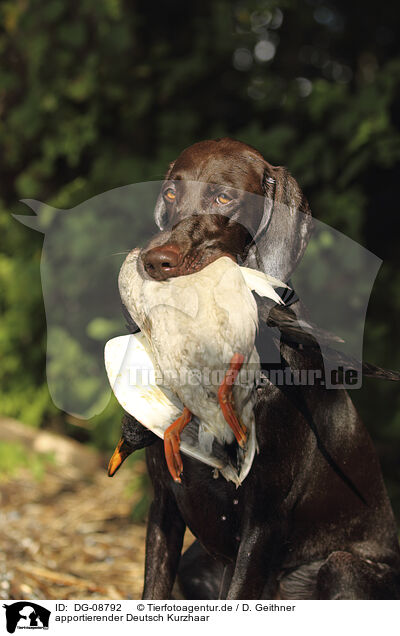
(119,456)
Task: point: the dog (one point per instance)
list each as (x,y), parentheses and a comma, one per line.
(312,520)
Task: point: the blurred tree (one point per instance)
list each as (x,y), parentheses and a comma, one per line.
(94,95)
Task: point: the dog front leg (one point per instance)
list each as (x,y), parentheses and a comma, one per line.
(254,575)
(165,531)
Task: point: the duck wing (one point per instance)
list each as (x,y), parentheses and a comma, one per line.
(296,332)
(262,284)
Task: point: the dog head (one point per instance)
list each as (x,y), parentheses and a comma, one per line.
(221,197)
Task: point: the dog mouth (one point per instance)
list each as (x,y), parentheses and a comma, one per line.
(195,262)
(167,261)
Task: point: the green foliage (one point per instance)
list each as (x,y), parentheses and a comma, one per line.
(95,95)
(14,457)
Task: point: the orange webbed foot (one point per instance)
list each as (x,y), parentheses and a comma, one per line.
(226,401)
(172,441)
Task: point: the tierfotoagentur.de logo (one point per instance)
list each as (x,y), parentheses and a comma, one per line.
(26,615)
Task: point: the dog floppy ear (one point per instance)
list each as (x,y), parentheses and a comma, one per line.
(285,228)
(160,210)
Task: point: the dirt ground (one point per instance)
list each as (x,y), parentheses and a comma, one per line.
(68,535)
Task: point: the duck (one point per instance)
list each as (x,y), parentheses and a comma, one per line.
(197,360)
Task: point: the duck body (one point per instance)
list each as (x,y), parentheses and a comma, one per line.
(195,324)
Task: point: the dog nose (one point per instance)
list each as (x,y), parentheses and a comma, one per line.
(162,262)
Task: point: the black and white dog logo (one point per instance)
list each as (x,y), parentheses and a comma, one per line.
(26,615)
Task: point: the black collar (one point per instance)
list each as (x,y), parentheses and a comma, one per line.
(287,294)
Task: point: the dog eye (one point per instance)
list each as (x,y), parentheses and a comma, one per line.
(169,194)
(223,199)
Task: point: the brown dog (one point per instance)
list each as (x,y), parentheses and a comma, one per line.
(312,520)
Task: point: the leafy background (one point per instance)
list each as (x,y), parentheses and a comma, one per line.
(99,94)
